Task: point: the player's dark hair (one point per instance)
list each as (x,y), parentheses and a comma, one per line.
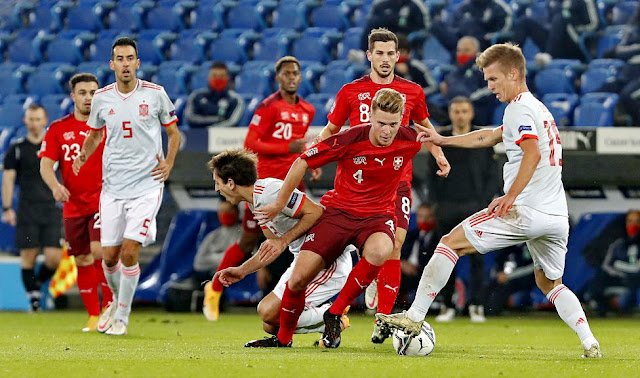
(34,107)
(286,59)
(388,100)
(507,54)
(124,41)
(381,35)
(237,164)
(461,100)
(219,64)
(82,78)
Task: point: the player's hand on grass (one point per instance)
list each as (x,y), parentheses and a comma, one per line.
(229,276)
(9,217)
(296,146)
(270,250)
(267,213)
(61,194)
(501,205)
(162,171)
(79,161)
(316,173)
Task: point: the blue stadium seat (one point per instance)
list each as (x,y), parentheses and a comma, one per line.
(290,16)
(252,82)
(611,37)
(316,44)
(163,17)
(83,18)
(23,100)
(332,80)
(350,41)
(200,78)
(146,71)
(251,102)
(616,64)
(623,11)
(65,51)
(573,64)
(498,113)
(189,48)
(6,133)
(330,16)
(228,50)
(529,50)
(275,43)
(438,69)
(44,82)
(561,106)
(209,18)
(149,50)
(125,19)
(12,114)
(41,18)
(593,79)
(57,105)
(23,50)
(246,16)
(180,103)
(172,79)
(10,84)
(554,80)
(432,49)
(596,109)
(322,102)
(100,70)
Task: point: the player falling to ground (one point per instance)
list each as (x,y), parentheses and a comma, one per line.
(353,103)
(276,134)
(360,211)
(533,210)
(80,194)
(134,113)
(234,173)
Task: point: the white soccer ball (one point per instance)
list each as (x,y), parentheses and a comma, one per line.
(421,345)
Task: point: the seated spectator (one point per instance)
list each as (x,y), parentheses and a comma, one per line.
(216,105)
(512,272)
(418,247)
(399,16)
(467,80)
(629,46)
(620,267)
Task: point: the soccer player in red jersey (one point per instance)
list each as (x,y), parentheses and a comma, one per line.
(276,135)
(353,103)
(359,211)
(80,194)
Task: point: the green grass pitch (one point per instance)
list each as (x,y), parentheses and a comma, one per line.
(186,345)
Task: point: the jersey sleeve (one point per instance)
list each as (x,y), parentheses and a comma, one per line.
(10,160)
(519,120)
(262,119)
(95,121)
(167,113)
(341,109)
(330,149)
(294,204)
(420,112)
(50,147)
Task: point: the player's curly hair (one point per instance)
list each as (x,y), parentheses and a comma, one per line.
(237,164)
(388,100)
(286,59)
(507,54)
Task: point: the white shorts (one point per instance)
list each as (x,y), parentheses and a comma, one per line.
(129,218)
(546,235)
(326,284)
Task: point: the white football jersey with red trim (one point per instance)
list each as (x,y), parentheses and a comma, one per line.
(265,191)
(528,118)
(134,123)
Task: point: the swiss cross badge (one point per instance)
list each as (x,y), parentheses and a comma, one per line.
(144,110)
(397,162)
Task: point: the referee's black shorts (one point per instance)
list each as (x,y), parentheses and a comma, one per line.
(39,225)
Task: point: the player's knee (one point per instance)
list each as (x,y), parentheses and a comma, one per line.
(84,260)
(267,311)
(297,282)
(270,328)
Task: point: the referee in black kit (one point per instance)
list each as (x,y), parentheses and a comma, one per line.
(38,219)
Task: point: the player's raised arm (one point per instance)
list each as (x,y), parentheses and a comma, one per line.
(475,139)
(295,175)
(88,147)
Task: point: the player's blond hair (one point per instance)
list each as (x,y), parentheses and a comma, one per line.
(237,164)
(388,100)
(286,59)
(507,54)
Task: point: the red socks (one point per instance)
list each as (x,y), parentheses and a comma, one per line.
(107,295)
(88,285)
(361,276)
(233,256)
(290,310)
(388,285)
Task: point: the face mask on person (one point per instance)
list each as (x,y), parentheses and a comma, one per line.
(228,219)
(463,59)
(426,226)
(633,229)
(218,84)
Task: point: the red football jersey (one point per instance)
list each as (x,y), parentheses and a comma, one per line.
(277,123)
(353,102)
(62,143)
(367,177)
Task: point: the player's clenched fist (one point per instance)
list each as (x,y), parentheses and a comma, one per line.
(229,276)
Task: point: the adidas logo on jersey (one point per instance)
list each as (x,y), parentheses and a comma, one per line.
(111,112)
(478,232)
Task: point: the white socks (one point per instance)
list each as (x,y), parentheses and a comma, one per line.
(434,276)
(112,275)
(128,283)
(311,320)
(570,310)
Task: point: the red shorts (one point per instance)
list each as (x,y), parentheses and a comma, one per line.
(403,205)
(336,229)
(79,232)
(249,224)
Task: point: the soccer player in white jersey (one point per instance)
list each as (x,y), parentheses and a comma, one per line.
(134,113)
(533,210)
(235,177)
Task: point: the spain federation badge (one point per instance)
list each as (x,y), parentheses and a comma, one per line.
(144,110)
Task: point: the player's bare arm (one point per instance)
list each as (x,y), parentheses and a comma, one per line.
(89,146)
(327,131)
(8,183)
(296,173)
(163,170)
(60,192)
(528,166)
(475,139)
(436,152)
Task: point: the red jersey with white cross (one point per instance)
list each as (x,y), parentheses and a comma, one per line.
(367,177)
(62,143)
(353,102)
(278,122)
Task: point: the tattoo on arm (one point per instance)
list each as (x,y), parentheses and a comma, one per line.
(480,138)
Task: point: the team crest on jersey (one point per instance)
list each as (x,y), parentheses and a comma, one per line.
(364,96)
(255,120)
(305,118)
(397,162)
(360,160)
(69,135)
(144,110)
(284,115)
